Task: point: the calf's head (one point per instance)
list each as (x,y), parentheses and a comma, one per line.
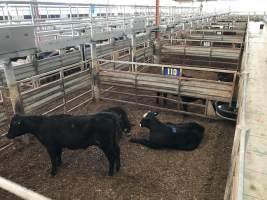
(147,119)
(17,127)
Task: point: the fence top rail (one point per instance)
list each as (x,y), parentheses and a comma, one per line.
(218,49)
(202,40)
(216,30)
(182,78)
(170,66)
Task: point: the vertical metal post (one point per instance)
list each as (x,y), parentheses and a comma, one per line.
(95,73)
(72,31)
(33,20)
(61,74)
(156,55)
(124,25)
(3,11)
(133,50)
(180,102)
(60,13)
(157,36)
(115,53)
(151,45)
(78,14)
(173,21)
(107,13)
(145,47)
(92,23)
(17,13)
(61,54)
(82,51)
(47,15)
(8,14)
(111,41)
(172,32)
(33,60)
(35,16)
(35,10)
(4,94)
(14,91)
(201,9)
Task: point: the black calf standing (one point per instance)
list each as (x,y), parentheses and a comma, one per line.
(72,132)
(183,136)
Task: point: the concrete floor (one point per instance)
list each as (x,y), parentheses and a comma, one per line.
(255,186)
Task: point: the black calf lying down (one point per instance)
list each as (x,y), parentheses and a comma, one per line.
(124,120)
(72,132)
(183,136)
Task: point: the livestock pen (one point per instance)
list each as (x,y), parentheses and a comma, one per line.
(145,173)
(120,62)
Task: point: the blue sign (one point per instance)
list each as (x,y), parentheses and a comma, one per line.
(168,71)
(92,8)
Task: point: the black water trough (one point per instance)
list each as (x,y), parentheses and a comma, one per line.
(226,111)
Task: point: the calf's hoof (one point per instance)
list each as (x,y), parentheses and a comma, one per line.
(118,167)
(52,174)
(60,163)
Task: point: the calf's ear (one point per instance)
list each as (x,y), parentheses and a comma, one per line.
(156,113)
